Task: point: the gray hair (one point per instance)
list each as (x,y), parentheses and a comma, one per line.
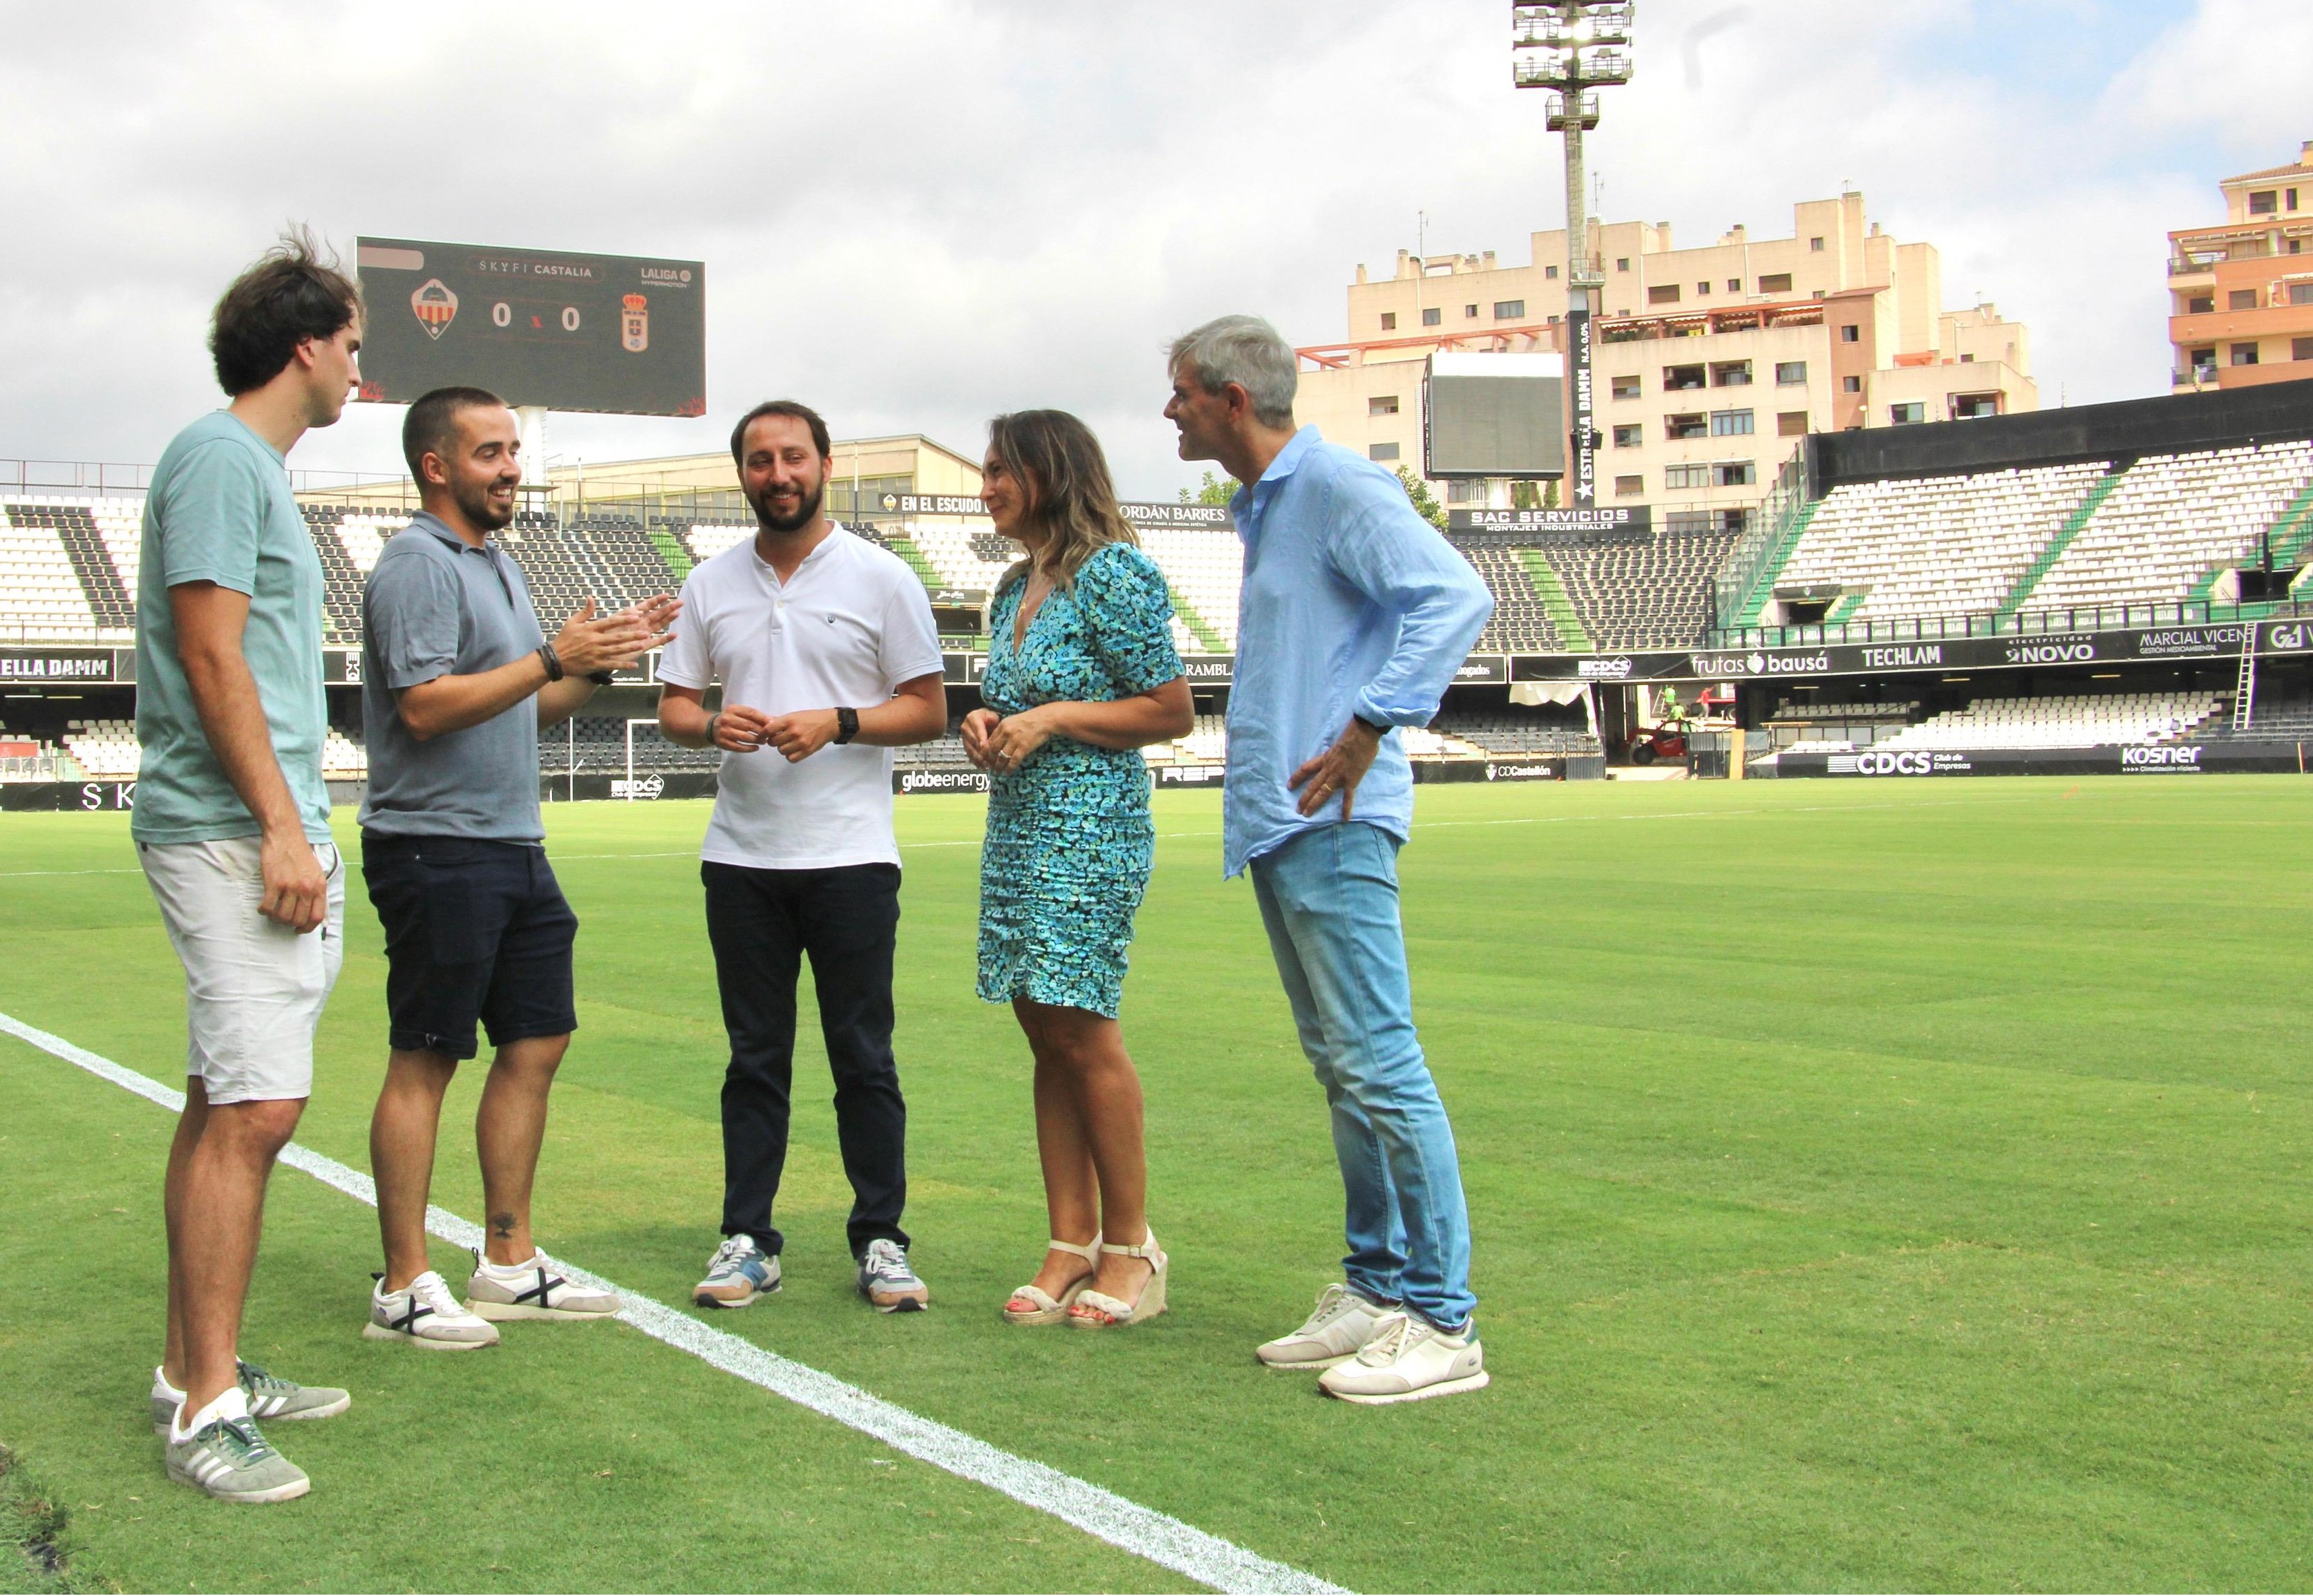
(1247,351)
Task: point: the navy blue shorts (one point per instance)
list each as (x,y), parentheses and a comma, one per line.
(474,931)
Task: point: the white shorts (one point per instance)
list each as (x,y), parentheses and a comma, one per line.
(253,987)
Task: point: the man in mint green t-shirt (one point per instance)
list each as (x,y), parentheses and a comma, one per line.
(232,826)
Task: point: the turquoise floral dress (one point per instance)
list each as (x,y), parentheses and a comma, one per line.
(1069,841)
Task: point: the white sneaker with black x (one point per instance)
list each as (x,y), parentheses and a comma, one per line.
(425,1314)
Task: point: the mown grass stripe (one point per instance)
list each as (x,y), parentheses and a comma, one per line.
(1157,1537)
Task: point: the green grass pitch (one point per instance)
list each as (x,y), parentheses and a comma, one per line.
(1890,1185)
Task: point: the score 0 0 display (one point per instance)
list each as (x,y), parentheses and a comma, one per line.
(615,333)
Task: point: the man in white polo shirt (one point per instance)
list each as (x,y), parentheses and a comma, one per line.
(828,659)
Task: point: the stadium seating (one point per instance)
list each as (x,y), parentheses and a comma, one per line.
(1518,732)
(1649,590)
(1802,709)
(600,745)
(1203,569)
(1520,623)
(957,553)
(342,574)
(42,594)
(2172,523)
(1935,546)
(706,539)
(2085,721)
(106,750)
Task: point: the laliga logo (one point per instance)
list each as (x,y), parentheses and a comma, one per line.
(435,305)
(634,324)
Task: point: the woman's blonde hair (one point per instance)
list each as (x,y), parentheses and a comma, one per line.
(1071,499)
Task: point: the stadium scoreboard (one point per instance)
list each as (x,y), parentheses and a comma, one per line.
(611,333)
(1494,415)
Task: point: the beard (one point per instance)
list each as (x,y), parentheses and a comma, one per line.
(806,509)
(474,499)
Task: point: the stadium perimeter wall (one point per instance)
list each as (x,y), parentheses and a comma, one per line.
(2174,424)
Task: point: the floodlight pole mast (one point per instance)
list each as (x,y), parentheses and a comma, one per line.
(1577,46)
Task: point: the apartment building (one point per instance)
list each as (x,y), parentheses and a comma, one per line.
(1709,363)
(2241,310)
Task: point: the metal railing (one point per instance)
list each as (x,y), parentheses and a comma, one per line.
(2029,623)
(1748,560)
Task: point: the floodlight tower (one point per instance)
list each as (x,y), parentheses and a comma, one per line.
(1574,47)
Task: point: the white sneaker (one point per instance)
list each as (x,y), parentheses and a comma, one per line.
(1344,1323)
(426,1315)
(1409,1359)
(535,1290)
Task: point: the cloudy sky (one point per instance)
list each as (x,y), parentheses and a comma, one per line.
(917,215)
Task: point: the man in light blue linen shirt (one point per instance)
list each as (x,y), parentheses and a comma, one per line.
(1353,618)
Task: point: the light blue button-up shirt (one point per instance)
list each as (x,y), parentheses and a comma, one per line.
(1352,604)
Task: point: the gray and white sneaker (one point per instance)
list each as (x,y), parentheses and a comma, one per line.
(739,1272)
(1410,1360)
(269,1397)
(230,1459)
(425,1314)
(535,1290)
(886,1281)
(1342,1324)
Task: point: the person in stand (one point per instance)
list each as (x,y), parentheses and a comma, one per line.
(1081,674)
(232,826)
(829,659)
(1354,615)
(457,677)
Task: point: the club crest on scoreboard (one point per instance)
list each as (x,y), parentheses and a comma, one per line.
(435,306)
(634,324)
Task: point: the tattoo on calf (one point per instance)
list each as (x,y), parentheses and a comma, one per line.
(503,1223)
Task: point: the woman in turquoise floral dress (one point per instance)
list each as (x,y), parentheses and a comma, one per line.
(1081,675)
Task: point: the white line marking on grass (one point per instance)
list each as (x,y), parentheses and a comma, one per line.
(1160,1538)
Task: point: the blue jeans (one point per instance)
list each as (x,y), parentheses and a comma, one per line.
(1329,899)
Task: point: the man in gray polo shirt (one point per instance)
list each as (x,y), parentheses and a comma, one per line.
(457,677)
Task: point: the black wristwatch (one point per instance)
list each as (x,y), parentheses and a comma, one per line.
(601,678)
(846,725)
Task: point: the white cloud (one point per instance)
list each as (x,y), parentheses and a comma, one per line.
(915,216)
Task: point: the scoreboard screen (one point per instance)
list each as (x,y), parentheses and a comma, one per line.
(1495,415)
(615,333)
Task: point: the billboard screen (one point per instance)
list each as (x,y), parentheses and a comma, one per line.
(615,333)
(1495,415)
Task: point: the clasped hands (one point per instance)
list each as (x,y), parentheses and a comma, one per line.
(798,735)
(999,743)
(588,643)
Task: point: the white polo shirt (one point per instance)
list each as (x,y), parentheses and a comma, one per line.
(850,626)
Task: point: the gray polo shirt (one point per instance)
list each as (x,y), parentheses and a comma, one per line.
(435,607)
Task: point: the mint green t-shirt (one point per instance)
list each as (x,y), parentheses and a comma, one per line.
(220,510)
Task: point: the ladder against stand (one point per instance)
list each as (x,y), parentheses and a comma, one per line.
(2245,683)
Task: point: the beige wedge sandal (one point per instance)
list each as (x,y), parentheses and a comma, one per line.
(1048,1309)
(1097,1310)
